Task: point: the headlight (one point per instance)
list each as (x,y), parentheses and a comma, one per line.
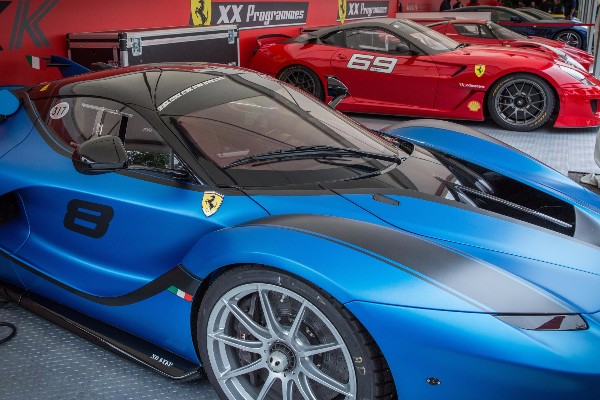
(576,74)
(569,322)
(572,62)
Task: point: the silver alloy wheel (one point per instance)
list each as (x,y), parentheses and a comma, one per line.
(300,78)
(294,353)
(520,102)
(570,38)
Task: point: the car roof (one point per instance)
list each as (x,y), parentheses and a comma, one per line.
(125,81)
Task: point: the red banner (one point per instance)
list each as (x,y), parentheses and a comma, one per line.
(39,27)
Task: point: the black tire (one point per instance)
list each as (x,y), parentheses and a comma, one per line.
(570,37)
(303,78)
(521,102)
(356,360)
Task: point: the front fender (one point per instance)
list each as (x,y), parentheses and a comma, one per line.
(481,149)
(347,273)
(358,261)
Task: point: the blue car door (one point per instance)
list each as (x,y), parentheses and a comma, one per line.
(106,235)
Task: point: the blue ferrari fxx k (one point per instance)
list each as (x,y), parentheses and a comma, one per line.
(188,215)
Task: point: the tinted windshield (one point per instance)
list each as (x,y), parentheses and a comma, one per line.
(428,40)
(236,116)
(503,33)
(538,14)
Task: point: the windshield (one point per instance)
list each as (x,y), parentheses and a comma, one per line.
(503,33)
(426,39)
(537,14)
(238,116)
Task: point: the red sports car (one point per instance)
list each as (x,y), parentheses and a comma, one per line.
(475,31)
(393,66)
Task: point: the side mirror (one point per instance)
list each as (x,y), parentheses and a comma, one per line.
(337,90)
(9,104)
(403,49)
(100,154)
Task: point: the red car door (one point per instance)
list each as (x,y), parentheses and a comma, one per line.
(379,72)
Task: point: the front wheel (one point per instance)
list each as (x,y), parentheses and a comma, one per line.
(571,38)
(264,334)
(303,78)
(521,102)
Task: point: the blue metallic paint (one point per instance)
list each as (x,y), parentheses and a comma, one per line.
(475,354)
(424,327)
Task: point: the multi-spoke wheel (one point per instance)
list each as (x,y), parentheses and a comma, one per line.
(521,102)
(267,335)
(302,78)
(571,38)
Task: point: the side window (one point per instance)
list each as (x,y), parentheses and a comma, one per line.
(500,15)
(467,30)
(372,40)
(335,39)
(485,32)
(77,119)
(474,30)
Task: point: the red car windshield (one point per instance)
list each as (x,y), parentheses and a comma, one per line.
(503,33)
(428,40)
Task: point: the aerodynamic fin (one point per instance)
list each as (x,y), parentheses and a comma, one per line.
(66,67)
(9,104)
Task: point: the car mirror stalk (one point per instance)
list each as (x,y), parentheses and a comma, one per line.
(337,90)
(99,155)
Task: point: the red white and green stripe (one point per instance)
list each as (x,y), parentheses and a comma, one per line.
(180,293)
(36,62)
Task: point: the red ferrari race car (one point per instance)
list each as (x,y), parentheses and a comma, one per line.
(474,31)
(400,67)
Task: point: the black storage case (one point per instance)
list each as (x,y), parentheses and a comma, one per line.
(218,44)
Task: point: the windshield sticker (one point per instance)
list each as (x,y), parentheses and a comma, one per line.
(186,91)
(474,106)
(479,70)
(471,85)
(59,110)
(211,202)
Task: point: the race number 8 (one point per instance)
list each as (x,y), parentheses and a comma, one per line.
(372,63)
(89,219)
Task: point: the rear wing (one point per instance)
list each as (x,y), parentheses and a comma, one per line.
(66,67)
(271,39)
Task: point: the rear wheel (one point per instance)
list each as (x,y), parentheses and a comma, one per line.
(267,335)
(571,38)
(303,78)
(521,102)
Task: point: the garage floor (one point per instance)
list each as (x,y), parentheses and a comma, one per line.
(44,361)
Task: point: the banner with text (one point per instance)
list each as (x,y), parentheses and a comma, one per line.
(248,15)
(350,10)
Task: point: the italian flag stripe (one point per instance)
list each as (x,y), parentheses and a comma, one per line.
(180,293)
(36,62)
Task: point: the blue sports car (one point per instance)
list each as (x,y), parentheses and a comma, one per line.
(190,216)
(568,31)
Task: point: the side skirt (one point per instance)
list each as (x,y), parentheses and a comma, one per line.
(105,335)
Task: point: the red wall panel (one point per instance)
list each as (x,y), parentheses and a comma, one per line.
(38,27)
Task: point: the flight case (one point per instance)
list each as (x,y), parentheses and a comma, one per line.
(218,44)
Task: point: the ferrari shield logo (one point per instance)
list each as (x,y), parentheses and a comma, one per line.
(479,70)
(201,12)
(342,9)
(211,201)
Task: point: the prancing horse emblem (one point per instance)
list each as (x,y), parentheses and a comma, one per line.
(211,201)
(479,70)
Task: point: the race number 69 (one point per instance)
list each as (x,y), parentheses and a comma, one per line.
(372,63)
